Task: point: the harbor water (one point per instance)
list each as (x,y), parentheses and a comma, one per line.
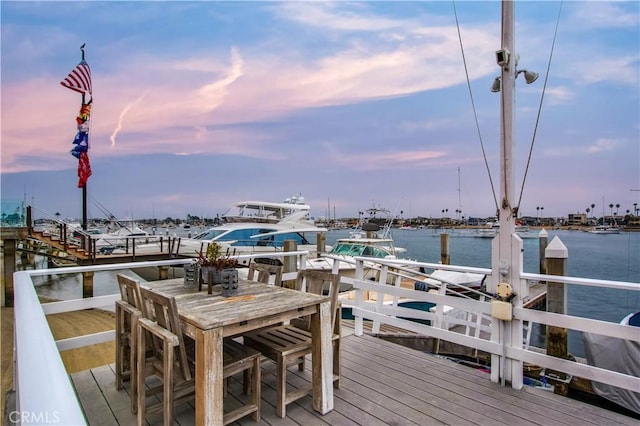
(609,257)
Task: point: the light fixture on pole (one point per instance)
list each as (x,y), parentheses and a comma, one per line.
(529,77)
(497,84)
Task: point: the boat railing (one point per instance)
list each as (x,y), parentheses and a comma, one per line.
(128,244)
(37,357)
(506,340)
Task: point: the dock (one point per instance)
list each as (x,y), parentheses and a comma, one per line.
(382,384)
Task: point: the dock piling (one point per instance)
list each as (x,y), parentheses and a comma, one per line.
(445,257)
(556,255)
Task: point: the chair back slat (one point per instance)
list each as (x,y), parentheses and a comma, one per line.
(320,282)
(130,291)
(163,310)
(264,272)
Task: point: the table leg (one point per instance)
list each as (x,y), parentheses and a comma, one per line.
(322,359)
(209,381)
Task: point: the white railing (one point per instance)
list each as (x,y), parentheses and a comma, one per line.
(497,340)
(44,392)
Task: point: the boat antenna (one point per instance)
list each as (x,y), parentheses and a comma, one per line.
(544,87)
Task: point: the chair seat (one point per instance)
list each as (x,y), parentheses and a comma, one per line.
(288,344)
(237,356)
(282,340)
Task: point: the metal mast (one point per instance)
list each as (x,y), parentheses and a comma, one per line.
(506,248)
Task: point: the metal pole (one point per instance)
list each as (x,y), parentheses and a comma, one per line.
(84,187)
(506,259)
(507,187)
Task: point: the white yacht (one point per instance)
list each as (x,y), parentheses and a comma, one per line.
(255,226)
(604,229)
(371,238)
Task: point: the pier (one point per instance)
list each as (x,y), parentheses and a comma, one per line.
(56,245)
(382,384)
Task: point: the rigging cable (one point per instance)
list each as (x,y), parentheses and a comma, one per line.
(535,130)
(473,106)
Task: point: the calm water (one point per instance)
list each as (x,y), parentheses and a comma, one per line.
(611,257)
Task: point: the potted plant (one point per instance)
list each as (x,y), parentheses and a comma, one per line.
(218,268)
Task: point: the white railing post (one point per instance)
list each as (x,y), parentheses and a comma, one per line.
(515,326)
(382,279)
(359,324)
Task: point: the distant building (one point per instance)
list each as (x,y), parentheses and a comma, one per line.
(474,221)
(577,219)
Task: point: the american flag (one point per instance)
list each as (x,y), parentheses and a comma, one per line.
(79,79)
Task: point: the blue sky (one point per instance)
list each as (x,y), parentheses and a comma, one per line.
(201,104)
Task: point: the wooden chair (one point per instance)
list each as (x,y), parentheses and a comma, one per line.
(172,360)
(127,314)
(288,344)
(264,272)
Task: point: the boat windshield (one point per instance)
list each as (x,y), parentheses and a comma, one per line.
(352,249)
(246,237)
(209,234)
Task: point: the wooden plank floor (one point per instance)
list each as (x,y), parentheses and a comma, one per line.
(382,384)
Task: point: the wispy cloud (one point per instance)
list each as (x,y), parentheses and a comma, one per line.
(382,160)
(213,94)
(558,95)
(605,14)
(608,67)
(121,118)
(335,16)
(602,145)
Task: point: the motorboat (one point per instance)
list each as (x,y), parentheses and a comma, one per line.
(604,229)
(116,235)
(371,238)
(523,232)
(254,226)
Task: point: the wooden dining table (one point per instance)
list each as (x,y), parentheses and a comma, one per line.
(209,318)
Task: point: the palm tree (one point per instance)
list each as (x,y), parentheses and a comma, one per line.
(593,206)
(611,209)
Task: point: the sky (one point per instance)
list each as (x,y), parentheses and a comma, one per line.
(197,105)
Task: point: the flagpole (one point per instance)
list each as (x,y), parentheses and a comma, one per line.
(84,187)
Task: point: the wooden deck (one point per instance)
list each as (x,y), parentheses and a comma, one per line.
(382,384)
